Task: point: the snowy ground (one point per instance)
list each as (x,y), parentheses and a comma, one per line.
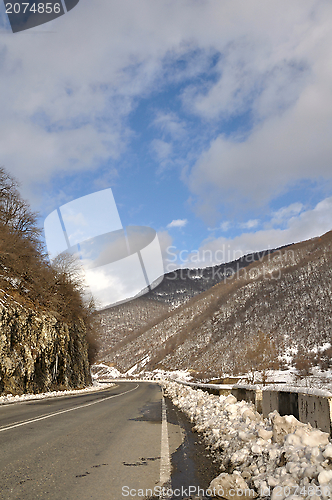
(9,398)
(318,379)
(184,375)
(100,370)
(273,458)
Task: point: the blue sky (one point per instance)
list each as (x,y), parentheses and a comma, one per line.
(210,121)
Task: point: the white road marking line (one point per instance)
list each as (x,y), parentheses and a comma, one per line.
(165,462)
(19,424)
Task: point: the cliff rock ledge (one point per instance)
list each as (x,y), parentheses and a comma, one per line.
(39,353)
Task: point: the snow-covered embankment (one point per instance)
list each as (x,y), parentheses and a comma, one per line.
(277,458)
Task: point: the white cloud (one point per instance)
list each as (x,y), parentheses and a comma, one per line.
(177,223)
(285,83)
(119,281)
(169,123)
(307,224)
(225,226)
(252,74)
(162,149)
(250,224)
(65,94)
(276,154)
(283,214)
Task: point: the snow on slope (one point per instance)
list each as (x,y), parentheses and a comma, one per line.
(275,458)
(100,370)
(9,398)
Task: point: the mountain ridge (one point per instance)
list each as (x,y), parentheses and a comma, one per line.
(200,334)
(121,321)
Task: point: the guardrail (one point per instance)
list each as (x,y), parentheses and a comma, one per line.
(216,389)
(312,406)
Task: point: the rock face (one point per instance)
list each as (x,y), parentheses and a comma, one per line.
(38,353)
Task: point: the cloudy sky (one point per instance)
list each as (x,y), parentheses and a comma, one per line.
(210,120)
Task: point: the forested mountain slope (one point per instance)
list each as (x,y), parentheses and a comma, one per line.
(279,305)
(44,321)
(123,322)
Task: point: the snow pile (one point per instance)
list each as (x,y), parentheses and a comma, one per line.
(277,458)
(184,375)
(9,398)
(159,374)
(100,370)
(319,379)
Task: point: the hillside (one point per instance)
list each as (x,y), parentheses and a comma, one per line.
(45,324)
(275,308)
(125,321)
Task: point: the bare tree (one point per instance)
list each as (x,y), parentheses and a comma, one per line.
(14,211)
(261,356)
(24,268)
(303,362)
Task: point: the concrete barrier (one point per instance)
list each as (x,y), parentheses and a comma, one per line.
(285,402)
(312,406)
(316,410)
(250,394)
(216,389)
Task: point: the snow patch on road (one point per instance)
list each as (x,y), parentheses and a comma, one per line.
(9,398)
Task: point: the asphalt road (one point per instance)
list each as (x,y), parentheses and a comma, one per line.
(106,445)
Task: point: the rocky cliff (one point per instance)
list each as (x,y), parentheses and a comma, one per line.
(45,321)
(38,352)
